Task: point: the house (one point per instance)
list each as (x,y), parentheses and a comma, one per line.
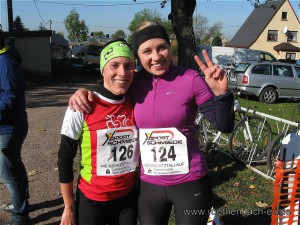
(59,46)
(34,48)
(273,27)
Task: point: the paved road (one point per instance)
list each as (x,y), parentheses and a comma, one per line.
(46,104)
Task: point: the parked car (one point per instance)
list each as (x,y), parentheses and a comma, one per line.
(269,81)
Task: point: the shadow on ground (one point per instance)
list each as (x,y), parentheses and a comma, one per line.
(46,101)
(46,216)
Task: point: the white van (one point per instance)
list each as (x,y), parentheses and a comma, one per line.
(93,47)
(224,56)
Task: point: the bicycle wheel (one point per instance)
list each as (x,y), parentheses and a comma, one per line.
(206,136)
(205,129)
(240,145)
(274,148)
(200,126)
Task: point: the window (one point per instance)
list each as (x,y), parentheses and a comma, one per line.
(241,67)
(292,36)
(266,57)
(290,56)
(262,69)
(284,16)
(283,71)
(272,35)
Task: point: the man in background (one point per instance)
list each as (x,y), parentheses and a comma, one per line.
(13,131)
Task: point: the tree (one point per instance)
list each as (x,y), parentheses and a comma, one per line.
(181,17)
(18,24)
(98,33)
(147,14)
(217,41)
(213,31)
(77,29)
(61,34)
(200,25)
(42,27)
(118,34)
(216,29)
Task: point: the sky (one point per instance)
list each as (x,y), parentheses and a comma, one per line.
(110,16)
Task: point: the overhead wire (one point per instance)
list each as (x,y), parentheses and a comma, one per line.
(102,5)
(84,4)
(39,12)
(89,5)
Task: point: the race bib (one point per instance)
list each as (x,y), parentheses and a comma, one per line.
(117,151)
(163,151)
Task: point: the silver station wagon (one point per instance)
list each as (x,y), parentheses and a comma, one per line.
(267,80)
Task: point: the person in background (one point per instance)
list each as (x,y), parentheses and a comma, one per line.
(167,98)
(106,190)
(13,131)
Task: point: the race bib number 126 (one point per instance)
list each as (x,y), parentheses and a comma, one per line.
(117,151)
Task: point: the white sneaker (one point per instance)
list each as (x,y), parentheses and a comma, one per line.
(7,207)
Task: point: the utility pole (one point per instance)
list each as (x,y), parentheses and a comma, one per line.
(10,22)
(50,21)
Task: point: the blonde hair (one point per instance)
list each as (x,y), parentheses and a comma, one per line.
(144,24)
(147,30)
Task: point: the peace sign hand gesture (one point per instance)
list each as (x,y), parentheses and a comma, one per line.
(215,77)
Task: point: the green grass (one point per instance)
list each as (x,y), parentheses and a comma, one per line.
(283,109)
(241,196)
(240,191)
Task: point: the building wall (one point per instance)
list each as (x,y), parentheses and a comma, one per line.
(36,54)
(277,24)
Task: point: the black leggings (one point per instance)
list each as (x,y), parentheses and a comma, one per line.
(191,200)
(121,211)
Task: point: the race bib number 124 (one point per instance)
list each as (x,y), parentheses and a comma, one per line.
(163,151)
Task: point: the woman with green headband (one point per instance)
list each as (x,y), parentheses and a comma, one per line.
(173,171)
(107,138)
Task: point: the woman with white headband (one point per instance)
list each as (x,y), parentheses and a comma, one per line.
(108,138)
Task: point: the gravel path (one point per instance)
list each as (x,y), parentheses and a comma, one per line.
(46,99)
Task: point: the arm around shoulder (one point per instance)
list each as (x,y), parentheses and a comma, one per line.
(81,100)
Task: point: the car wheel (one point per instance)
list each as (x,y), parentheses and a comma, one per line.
(268,95)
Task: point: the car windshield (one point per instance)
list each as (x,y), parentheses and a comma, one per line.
(241,67)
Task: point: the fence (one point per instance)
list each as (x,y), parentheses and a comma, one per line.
(281,126)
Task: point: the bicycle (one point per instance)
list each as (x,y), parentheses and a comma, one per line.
(209,138)
(245,143)
(250,137)
(273,149)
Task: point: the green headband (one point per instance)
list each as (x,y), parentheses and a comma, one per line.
(114,50)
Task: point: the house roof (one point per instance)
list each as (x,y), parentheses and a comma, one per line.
(40,33)
(60,40)
(286,47)
(255,24)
